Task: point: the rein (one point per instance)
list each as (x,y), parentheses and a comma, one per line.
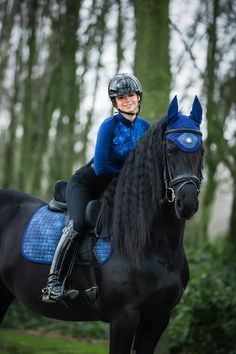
(182,179)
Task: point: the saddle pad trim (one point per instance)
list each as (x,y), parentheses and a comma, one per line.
(102,251)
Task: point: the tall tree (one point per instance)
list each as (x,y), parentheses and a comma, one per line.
(152,67)
(228,146)
(68,102)
(212,113)
(95,42)
(219,83)
(10,151)
(8,13)
(30,133)
(119,37)
(152,63)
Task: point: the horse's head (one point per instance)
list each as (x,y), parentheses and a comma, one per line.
(183,158)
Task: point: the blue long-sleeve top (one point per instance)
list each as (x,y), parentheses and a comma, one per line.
(117,136)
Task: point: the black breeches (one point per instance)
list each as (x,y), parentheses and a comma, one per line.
(82,187)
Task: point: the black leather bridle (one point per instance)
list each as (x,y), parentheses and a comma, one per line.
(181,179)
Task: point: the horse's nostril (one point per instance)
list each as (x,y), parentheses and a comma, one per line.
(179,203)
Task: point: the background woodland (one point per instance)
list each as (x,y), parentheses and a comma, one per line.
(56,59)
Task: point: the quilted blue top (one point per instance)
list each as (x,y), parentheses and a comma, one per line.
(117,136)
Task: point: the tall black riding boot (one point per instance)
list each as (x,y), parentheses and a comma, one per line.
(54,290)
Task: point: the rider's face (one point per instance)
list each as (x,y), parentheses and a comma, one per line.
(128,102)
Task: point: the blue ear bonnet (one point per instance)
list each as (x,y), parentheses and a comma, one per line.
(184,131)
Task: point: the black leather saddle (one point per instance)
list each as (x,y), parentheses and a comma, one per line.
(58,204)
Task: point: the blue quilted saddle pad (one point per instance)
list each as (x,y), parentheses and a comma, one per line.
(43,233)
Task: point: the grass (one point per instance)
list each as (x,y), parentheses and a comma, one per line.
(18,342)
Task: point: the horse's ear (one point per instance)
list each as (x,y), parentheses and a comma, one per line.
(173,109)
(196,112)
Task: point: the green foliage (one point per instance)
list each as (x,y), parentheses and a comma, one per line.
(20,343)
(18,317)
(205,319)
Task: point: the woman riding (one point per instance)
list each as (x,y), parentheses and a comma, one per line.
(117,136)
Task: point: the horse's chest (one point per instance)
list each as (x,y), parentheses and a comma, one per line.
(156,288)
(159,276)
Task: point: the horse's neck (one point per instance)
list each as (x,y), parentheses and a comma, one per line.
(172,229)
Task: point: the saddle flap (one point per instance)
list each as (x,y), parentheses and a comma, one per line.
(92,212)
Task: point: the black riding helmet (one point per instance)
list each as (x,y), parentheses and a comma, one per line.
(122,84)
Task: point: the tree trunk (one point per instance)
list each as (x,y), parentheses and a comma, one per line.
(30,133)
(152,64)
(152,67)
(214,133)
(7,20)
(232,223)
(10,153)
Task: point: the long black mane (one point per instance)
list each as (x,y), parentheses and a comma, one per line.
(135,196)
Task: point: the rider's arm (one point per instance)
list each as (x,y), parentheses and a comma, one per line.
(103,163)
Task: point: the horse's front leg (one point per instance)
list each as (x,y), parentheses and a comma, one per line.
(150,331)
(5,301)
(122,331)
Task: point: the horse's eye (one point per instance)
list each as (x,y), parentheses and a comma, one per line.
(171,150)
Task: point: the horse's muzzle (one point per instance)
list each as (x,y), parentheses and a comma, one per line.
(186,201)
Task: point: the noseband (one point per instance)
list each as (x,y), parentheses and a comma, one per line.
(182,179)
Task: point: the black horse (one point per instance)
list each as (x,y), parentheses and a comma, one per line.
(156,192)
